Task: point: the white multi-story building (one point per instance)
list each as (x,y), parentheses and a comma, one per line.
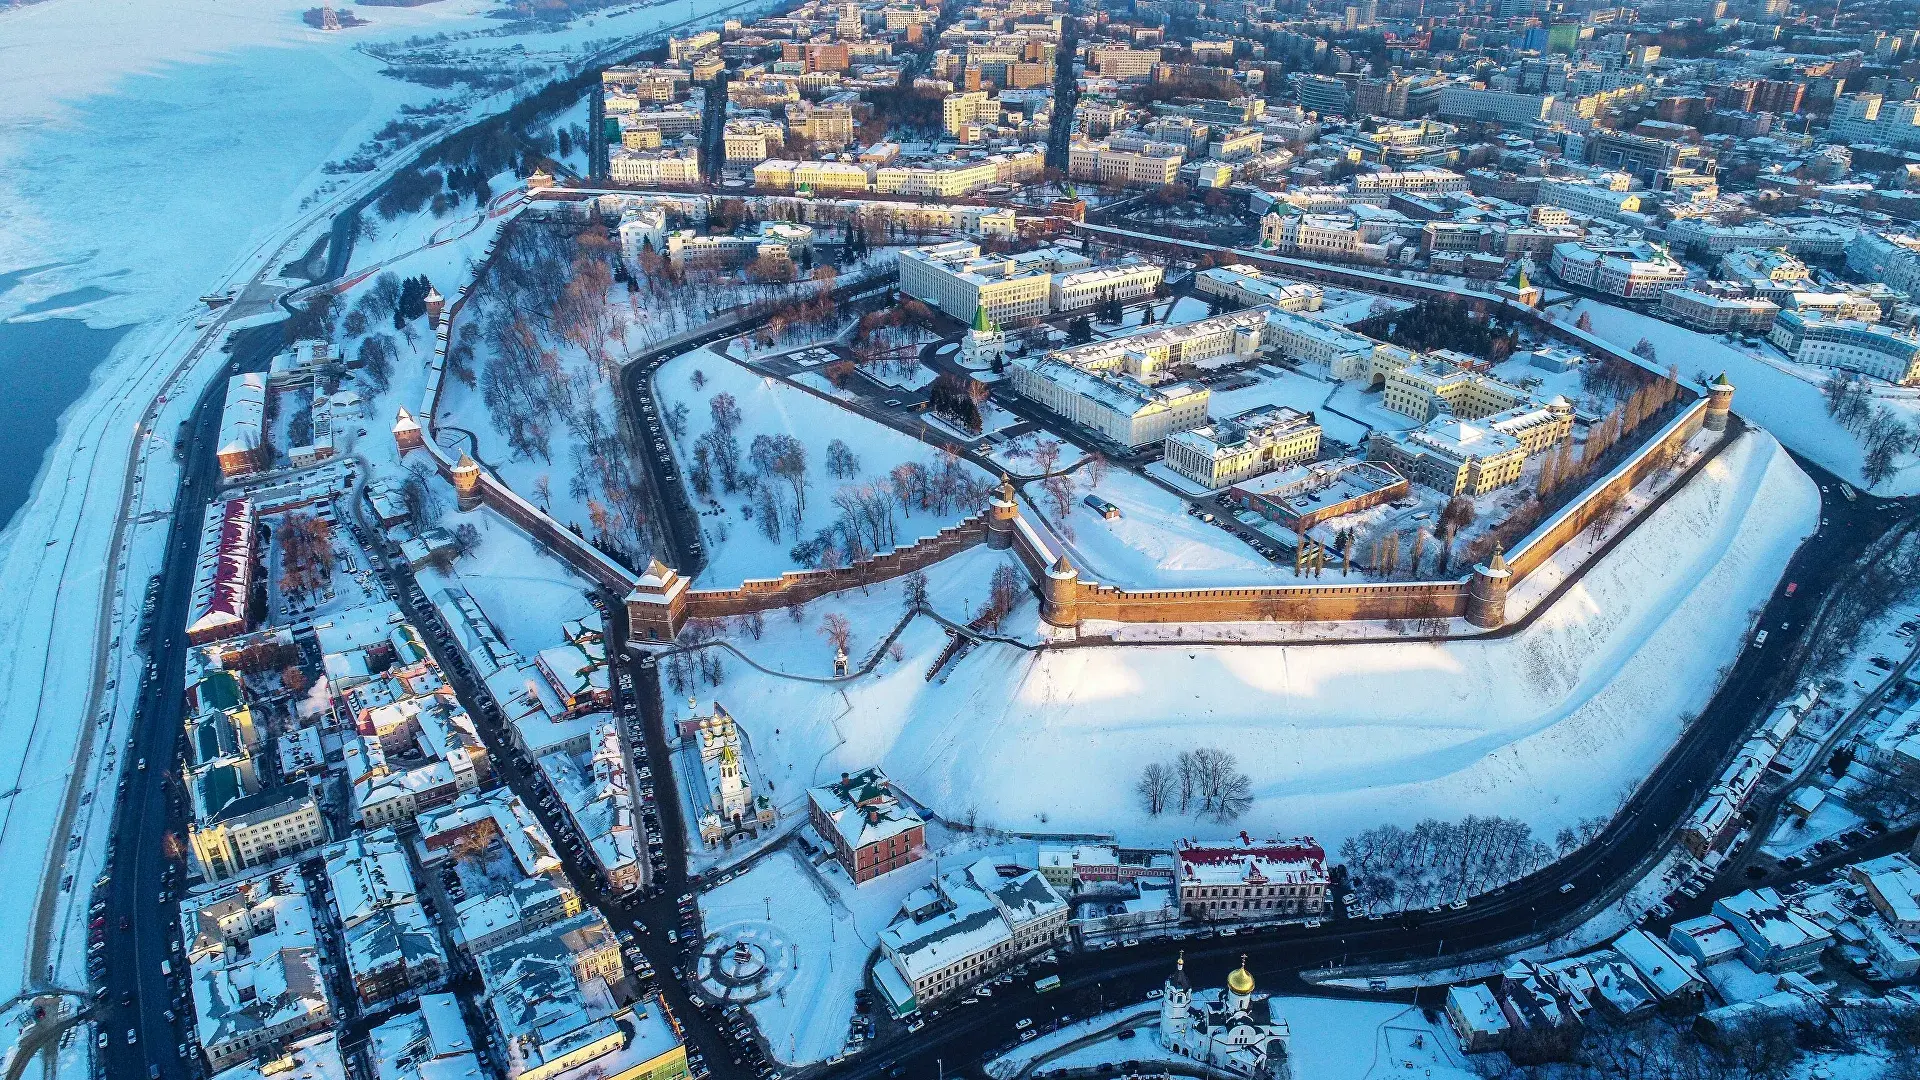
(1604,197)
(1244,284)
(1890,258)
(956,278)
(1716,313)
(812,177)
(1123,409)
(670,166)
(1466,102)
(1103,163)
(1850,345)
(642,228)
(972,106)
(1122,62)
(749,141)
(1129,279)
(1255,442)
(1632,271)
(1146,354)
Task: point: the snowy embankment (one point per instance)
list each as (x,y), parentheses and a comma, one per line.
(205,125)
(1791,407)
(737,548)
(1552,724)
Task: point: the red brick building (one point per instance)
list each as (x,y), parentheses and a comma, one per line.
(871,829)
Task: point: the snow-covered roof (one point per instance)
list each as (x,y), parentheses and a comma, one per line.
(1666,971)
(1478,1009)
(864,808)
(1707,939)
(254,959)
(314,1058)
(1244,859)
(1760,916)
(223,571)
(244,417)
(430,1043)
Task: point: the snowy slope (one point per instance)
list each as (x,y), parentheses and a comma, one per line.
(1791,408)
(736,548)
(1551,724)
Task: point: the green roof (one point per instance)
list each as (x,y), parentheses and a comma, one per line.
(219,690)
(220,786)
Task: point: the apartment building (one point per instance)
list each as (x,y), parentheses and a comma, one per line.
(257,830)
(669,166)
(1456,457)
(1849,344)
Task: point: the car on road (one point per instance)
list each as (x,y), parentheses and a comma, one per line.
(1792,587)
(1023,1023)
(1566,888)
(133,1037)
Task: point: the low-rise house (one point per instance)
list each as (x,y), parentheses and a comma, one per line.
(497,867)
(1776,937)
(968,925)
(1705,940)
(428,1043)
(1673,978)
(1477,1017)
(871,830)
(316,1057)
(596,791)
(556,1001)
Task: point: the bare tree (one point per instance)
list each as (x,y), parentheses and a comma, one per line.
(837,630)
(1155,787)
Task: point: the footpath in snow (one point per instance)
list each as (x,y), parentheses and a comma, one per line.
(1553,724)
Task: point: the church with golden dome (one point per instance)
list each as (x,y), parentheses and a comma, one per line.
(1235,1029)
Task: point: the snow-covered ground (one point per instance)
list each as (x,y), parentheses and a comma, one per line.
(205,125)
(819,931)
(1330,1040)
(737,549)
(1552,725)
(527,593)
(1766,393)
(1154,543)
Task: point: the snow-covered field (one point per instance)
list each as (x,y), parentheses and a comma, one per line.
(1552,725)
(1783,403)
(736,547)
